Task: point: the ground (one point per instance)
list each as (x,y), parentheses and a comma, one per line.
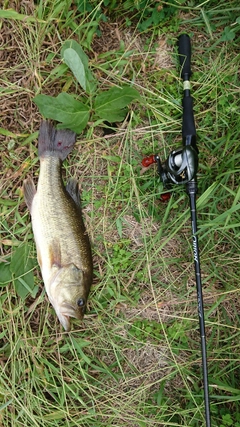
(136,359)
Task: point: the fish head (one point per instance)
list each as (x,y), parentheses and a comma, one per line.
(68,293)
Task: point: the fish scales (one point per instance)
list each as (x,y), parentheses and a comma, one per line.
(63,248)
(58,215)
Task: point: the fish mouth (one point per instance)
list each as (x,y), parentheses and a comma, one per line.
(68,310)
(64,318)
(65,322)
(65,313)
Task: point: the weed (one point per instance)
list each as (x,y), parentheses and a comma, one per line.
(135,360)
(74,114)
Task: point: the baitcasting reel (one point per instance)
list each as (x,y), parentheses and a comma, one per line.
(179,168)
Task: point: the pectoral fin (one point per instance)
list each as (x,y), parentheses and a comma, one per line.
(73,191)
(55,253)
(68,274)
(29,192)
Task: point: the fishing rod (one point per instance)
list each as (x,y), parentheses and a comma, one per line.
(181,168)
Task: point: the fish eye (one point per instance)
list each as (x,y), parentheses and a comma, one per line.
(81,302)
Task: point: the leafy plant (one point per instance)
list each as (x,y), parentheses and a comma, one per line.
(152,14)
(144,330)
(74,112)
(121,258)
(145,13)
(230,32)
(229,420)
(20,272)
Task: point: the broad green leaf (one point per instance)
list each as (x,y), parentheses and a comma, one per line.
(5,274)
(111,104)
(64,108)
(72,44)
(21,267)
(25,285)
(73,58)
(18,261)
(228,34)
(75,64)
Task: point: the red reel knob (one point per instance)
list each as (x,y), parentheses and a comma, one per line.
(148,161)
(165,197)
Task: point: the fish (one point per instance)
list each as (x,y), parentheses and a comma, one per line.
(62,243)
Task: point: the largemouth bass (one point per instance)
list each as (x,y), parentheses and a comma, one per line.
(63,248)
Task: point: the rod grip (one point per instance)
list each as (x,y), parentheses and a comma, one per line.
(188,124)
(184,52)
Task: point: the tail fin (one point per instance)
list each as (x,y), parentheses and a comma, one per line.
(55,142)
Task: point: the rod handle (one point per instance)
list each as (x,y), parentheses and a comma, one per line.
(188,123)
(184,52)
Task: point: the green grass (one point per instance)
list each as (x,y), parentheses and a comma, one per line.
(135,360)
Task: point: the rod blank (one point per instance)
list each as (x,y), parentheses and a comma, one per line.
(189,138)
